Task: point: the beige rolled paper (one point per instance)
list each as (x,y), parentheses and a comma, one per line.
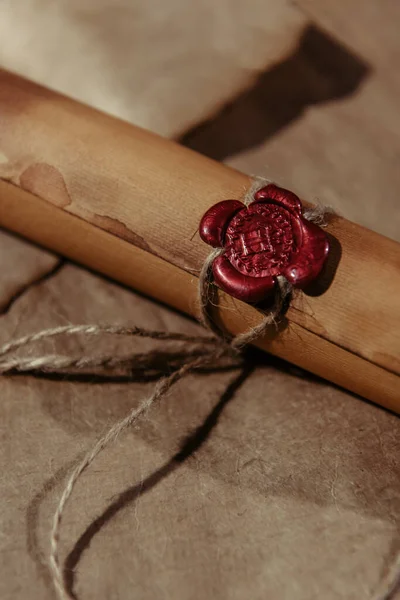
(127,203)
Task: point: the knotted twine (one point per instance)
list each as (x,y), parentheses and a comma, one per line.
(202,351)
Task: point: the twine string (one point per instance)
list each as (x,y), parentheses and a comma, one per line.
(160,390)
(209,351)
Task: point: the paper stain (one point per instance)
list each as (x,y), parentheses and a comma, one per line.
(119,229)
(47,182)
(10,169)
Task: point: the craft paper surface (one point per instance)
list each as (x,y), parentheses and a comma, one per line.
(292,491)
(162,65)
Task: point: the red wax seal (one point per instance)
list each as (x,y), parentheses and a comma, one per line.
(268,238)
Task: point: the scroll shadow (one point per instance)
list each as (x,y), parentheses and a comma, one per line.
(190,445)
(319,70)
(327,275)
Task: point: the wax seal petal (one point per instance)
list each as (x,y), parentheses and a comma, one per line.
(279,195)
(262,241)
(248,289)
(311,258)
(214,222)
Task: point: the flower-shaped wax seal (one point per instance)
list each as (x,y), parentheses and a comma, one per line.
(267,238)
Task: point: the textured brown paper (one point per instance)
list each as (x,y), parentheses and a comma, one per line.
(292,488)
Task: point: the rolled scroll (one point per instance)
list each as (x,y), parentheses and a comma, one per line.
(128,203)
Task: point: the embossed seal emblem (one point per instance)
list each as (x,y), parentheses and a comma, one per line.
(270,237)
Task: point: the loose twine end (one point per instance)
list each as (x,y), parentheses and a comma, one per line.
(199,352)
